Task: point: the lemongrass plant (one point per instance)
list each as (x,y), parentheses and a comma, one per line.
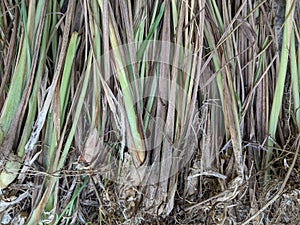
(114,111)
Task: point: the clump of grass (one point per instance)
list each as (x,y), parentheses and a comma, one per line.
(120,110)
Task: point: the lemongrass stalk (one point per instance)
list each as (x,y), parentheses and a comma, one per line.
(153,27)
(295,80)
(12,167)
(174,14)
(15,90)
(70,205)
(64,95)
(64,92)
(280,82)
(54,42)
(129,101)
(78,110)
(60,158)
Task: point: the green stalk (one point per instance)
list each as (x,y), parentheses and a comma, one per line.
(12,167)
(14,93)
(61,158)
(20,73)
(69,208)
(64,93)
(80,103)
(136,136)
(280,83)
(295,80)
